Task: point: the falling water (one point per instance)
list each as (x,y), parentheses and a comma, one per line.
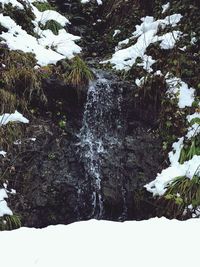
(99,134)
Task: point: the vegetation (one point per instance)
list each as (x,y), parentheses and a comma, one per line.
(52,25)
(9,134)
(8,101)
(43,6)
(183,196)
(80,74)
(23,17)
(10,222)
(190,149)
(21,83)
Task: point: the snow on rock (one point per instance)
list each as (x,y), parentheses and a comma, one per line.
(193,116)
(180,89)
(147,62)
(146,34)
(43,17)
(48,47)
(159,186)
(60,42)
(103,244)
(3,153)
(168,40)
(175,154)
(4,209)
(165,7)
(99,2)
(193,131)
(116,32)
(12,117)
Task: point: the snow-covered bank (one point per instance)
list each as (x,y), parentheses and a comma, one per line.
(47,46)
(153,243)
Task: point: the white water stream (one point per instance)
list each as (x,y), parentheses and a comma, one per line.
(98,134)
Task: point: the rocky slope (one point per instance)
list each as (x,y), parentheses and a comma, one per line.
(96,145)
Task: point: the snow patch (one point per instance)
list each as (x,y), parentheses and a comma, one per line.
(180,89)
(12,117)
(4,209)
(145,34)
(48,47)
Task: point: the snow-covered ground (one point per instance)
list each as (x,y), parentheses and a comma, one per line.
(47,46)
(145,34)
(153,243)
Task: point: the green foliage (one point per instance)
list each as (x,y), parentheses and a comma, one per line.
(191,148)
(181,193)
(10,222)
(43,6)
(62,124)
(51,156)
(80,74)
(52,25)
(195,120)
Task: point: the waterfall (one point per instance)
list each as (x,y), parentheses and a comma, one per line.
(99,134)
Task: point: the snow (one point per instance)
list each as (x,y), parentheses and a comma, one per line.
(184,92)
(3,153)
(4,209)
(12,117)
(5,119)
(99,2)
(159,186)
(193,116)
(175,154)
(43,17)
(146,34)
(48,47)
(140,82)
(147,62)
(186,96)
(169,39)
(193,131)
(116,32)
(154,243)
(165,7)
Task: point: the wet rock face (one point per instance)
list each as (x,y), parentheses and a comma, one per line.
(52,178)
